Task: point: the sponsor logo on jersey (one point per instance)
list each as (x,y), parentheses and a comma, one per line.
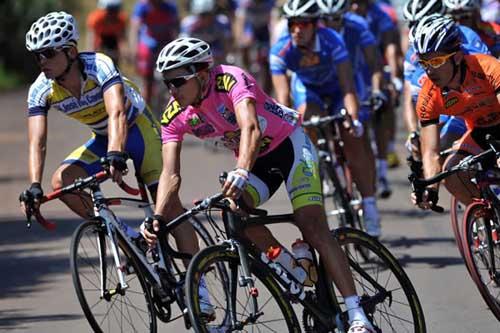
(228,116)
(452,101)
(224,82)
(173,110)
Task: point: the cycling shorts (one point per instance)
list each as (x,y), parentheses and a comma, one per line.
(146,60)
(294,161)
(143,145)
(451,125)
(302,94)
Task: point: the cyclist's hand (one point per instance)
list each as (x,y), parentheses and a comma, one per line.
(235,183)
(413,143)
(357,129)
(30,199)
(148,230)
(117,165)
(425,199)
(379,99)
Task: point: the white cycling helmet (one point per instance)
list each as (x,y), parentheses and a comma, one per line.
(202,6)
(436,33)
(184,52)
(301,9)
(56,29)
(415,10)
(109,3)
(464,5)
(332,7)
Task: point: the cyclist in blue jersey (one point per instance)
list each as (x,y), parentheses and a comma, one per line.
(414,74)
(365,59)
(205,24)
(387,35)
(322,76)
(88,88)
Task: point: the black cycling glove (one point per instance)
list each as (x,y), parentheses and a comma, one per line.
(117,159)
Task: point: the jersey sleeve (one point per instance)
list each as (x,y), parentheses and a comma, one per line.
(38,97)
(491,67)
(172,128)
(384,21)
(367,38)
(277,62)
(426,109)
(471,42)
(339,53)
(236,84)
(107,74)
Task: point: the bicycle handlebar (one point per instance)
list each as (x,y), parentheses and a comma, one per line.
(316,121)
(78,184)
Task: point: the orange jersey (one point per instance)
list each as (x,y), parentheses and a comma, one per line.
(476,102)
(107,29)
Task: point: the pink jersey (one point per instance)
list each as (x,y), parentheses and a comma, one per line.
(215,119)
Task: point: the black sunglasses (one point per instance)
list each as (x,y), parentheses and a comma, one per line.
(45,54)
(178,82)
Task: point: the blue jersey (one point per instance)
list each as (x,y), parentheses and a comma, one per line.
(415,74)
(379,21)
(315,68)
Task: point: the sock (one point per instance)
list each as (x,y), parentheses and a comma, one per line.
(391,147)
(354,310)
(381,168)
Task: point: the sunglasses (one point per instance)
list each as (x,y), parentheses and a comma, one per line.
(300,23)
(436,62)
(179,81)
(46,54)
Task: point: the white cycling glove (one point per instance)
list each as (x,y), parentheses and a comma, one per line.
(238,178)
(358,128)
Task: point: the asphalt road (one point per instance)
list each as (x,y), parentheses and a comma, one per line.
(36,291)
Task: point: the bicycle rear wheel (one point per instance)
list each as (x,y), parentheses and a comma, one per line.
(92,263)
(386,292)
(274,312)
(482,253)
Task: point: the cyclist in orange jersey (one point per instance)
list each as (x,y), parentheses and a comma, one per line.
(468,13)
(460,85)
(106,29)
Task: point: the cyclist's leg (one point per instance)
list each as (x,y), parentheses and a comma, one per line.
(459,185)
(304,189)
(82,162)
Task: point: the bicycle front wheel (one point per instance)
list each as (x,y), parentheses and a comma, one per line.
(387,294)
(217,269)
(107,307)
(482,252)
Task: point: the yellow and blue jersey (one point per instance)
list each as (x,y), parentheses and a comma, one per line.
(98,74)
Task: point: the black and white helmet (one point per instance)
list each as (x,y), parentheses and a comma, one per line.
(301,9)
(56,29)
(462,5)
(184,52)
(436,33)
(415,10)
(332,7)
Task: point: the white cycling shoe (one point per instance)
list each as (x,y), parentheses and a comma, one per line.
(358,326)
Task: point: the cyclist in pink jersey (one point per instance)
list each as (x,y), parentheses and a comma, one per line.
(224,104)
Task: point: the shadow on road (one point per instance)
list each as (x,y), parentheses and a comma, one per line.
(15,319)
(407,243)
(435,262)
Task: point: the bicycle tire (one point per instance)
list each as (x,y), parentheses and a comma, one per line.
(99,321)
(386,271)
(476,248)
(203,263)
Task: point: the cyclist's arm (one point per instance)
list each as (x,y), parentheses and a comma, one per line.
(117,117)
(135,25)
(344,73)
(392,52)
(90,40)
(168,203)
(373,60)
(246,116)
(37,137)
(410,115)
(282,88)
(429,140)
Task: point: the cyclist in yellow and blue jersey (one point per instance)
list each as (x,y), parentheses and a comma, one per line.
(88,88)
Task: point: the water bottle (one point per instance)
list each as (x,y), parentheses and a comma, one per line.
(302,253)
(281,256)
